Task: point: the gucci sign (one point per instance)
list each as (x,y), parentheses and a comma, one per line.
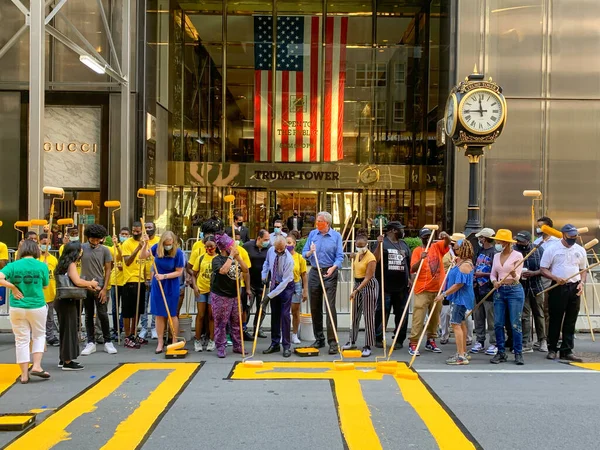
(72,147)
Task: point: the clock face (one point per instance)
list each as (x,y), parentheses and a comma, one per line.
(482,111)
(450,115)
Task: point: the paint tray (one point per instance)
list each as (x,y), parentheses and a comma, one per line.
(16,421)
(306,351)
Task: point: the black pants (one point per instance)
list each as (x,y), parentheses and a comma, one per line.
(91,302)
(315,293)
(256,296)
(397,301)
(563,305)
(68,328)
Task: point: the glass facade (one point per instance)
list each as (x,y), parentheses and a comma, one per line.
(307,106)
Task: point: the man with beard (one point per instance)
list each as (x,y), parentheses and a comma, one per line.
(96,264)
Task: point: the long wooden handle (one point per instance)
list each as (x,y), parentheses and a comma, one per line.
(568,278)
(352,289)
(162,292)
(262,298)
(383,324)
(352,227)
(237,283)
(337,341)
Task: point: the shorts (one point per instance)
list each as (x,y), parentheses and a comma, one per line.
(203,298)
(297,297)
(128,300)
(459,313)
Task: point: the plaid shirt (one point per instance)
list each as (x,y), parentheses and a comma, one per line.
(532,264)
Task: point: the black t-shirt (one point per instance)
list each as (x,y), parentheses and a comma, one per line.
(257,260)
(396,265)
(220,284)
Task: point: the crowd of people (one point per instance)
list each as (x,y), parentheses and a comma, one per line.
(498,282)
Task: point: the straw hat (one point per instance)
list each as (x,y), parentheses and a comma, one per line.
(504,236)
(457,237)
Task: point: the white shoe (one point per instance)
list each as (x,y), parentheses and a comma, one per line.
(154,334)
(543,347)
(295,339)
(143,333)
(211,346)
(197,345)
(89,349)
(492,350)
(477,348)
(109,348)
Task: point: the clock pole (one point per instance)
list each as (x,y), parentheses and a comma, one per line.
(473,224)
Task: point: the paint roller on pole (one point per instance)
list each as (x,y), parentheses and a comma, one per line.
(22,224)
(116,206)
(57,194)
(535,196)
(230,198)
(590,247)
(352,353)
(249,361)
(86,205)
(545,229)
(392,367)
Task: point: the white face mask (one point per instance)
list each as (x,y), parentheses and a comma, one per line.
(168,247)
(499,247)
(361,250)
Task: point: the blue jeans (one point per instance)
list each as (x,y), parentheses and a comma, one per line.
(509,300)
(144,317)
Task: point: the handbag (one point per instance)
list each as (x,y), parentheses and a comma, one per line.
(66,289)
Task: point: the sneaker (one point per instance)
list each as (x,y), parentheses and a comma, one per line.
(492,350)
(466,355)
(519,359)
(60,363)
(53,342)
(143,333)
(527,349)
(469,341)
(198,346)
(457,360)
(210,347)
(499,358)
(543,346)
(348,346)
(477,348)
(432,347)
(109,348)
(73,365)
(412,350)
(229,341)
(378,344)
(154,334)
(444,341)
(537,344)
(295,339)
(89,349)
(366,352)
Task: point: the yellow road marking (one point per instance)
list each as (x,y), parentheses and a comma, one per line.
(355,417)
(590,366)
(8,376)
(53,429)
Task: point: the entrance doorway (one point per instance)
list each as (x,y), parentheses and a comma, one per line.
(305,203)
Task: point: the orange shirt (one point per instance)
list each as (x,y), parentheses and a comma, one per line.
(432,273)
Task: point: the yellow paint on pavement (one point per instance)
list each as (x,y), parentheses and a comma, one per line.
(53,429)
(590,366)
(8,376)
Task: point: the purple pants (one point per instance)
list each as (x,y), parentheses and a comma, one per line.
(280,316)
(225,311)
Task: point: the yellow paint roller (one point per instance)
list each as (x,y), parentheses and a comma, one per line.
(248,361)
(590,247)
(1,223)
(144,192)
(388,366)
(22,224)
(83,203)
(86,205)
(38,222)
(532,193)
(58,194)
(551,231)
(64,222)
(535,196)
(583,230)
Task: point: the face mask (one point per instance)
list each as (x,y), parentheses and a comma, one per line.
(521,248)
(168,247)
(401,234)
(239,224)
(538,232)
(150,233)
(123,238)
(44,247)
(93,245)
(361,250)
(295,214)
(290,248)
(321,226)
(499,247)
(239,243)
(201,235)
(210,251)
(73,238)
(265,244)
(277,230)
(137,237)
(570,241)
(480,243)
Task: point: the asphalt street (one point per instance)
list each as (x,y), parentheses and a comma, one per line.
(137,399)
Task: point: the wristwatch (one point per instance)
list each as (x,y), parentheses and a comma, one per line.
(230,257)
(444,295)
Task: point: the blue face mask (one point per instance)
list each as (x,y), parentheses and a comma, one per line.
(123,238)
(265,244)
(44,247)
(277,230)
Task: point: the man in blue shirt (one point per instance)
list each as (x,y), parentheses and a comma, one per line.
(280,265)
(327,244)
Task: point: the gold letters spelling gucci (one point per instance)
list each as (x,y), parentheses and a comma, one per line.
(72,147)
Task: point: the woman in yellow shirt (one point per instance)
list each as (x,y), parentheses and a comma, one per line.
(201,283)
(300,284)
(364,295)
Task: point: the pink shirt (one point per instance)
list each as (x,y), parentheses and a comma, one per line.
(500,271)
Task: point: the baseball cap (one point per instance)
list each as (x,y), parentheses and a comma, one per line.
(394,225)
(570,230)
(486,232)
(523,236)
(424,232)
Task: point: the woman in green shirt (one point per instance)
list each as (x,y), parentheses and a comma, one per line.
(26,278)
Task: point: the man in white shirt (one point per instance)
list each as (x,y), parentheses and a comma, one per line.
(545,240)
(559,263)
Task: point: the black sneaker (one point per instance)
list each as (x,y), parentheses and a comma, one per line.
(248,336)
(499,358)
(378,344)
(333,349)
(73,365)
(53,342)
(318,344)
(261,334)
(519,359)
(60,363)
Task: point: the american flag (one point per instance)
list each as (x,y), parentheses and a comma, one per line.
(295,100)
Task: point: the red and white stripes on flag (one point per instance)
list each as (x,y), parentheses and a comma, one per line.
(288,125)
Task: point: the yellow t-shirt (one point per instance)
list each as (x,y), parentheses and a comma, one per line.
(78,263)
(299,266)
(3,251)
(148,268)
(198,250)
(116,275)
(360,267)
(131,273)
(50,290)
(203,266)
(246,258)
